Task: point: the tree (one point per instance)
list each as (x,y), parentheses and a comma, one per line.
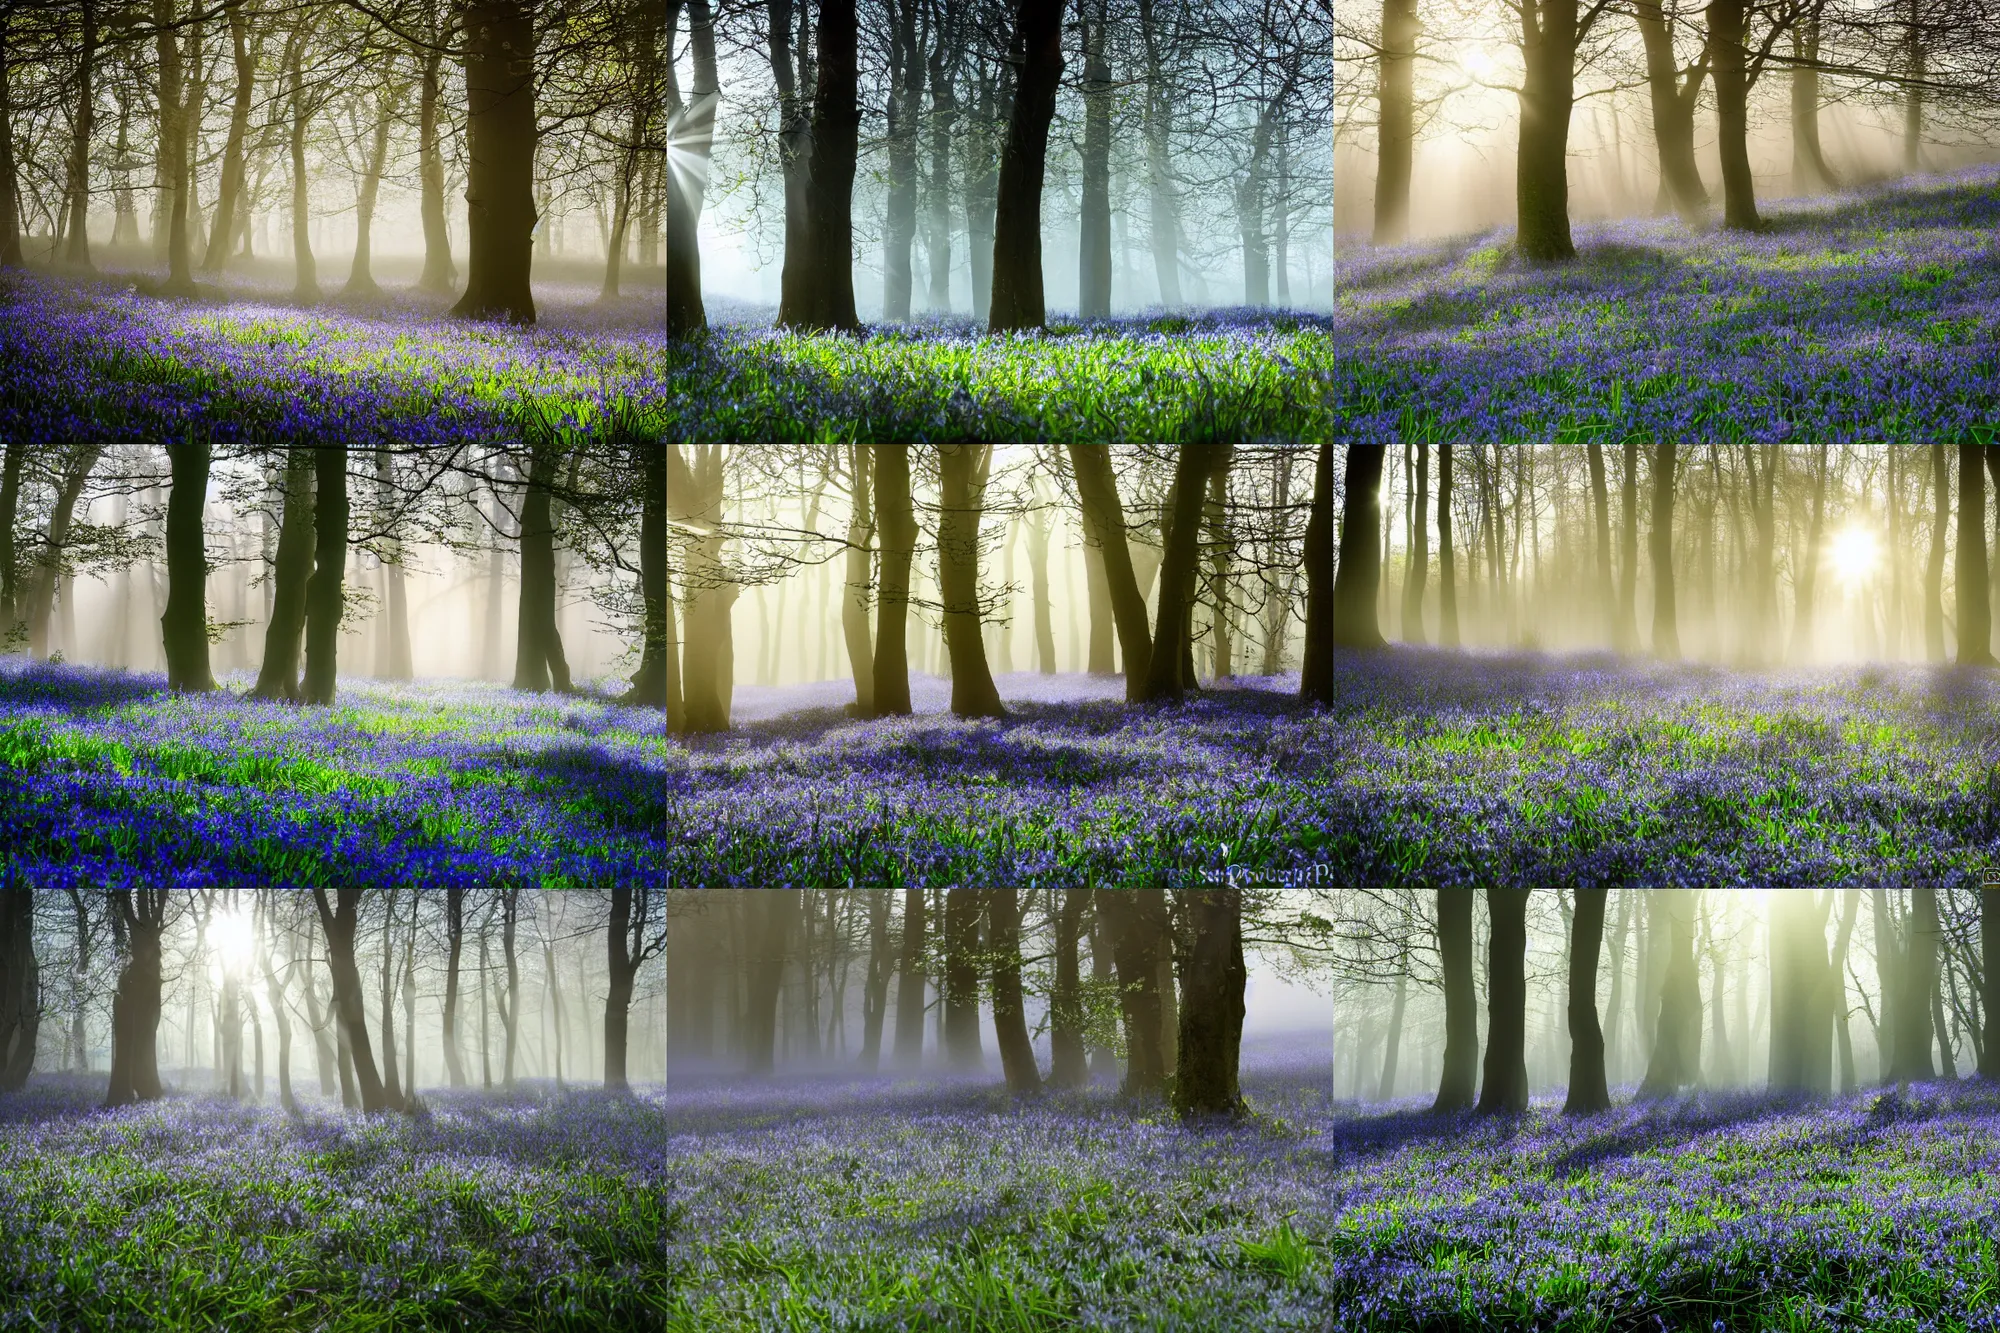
(20,988)
(539,662)
(1396,121)
(184,627)
(899,548)
(223,233)
(1606,596)
(910,991)
(1316,679)
(628,944)
(440,274)
(1802,620)
(73,473)
(1461,1014)
(1447,574)
(1934,566)
(1356,586)
(10,505)
(782,908)
(1626,629)
(1666,628)
(860,579)
(1989,980)
(1975,617)
(326,593)
(1212,978)
(1067,1067)
(1136,920)
(962,908)
(1094,221)
(1420,534)
(1728,21)
(1017,220)
(825,288)
(1915,981)
(875,993)
(1550,32)
(691,134)
(1676,1059)
(454,935)
(1167,676)
(1588,1092)
(1010,1021)
(500,148)
(1503,1085)
(709,656)
(174,112)
(279,677)
(964,470)
(338,920)
(1673,104)
(139,917)
(1104,523)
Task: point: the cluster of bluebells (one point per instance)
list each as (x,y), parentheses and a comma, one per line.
(867,1203)
(1872,316)
(1536,770)
(105,778)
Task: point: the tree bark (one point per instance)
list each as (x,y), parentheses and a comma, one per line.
(77,253)
(326,594)
(691,136)
(1447,572)
(1010,1020)
(1017,220)
(1067,1068)
(782,908)
(962,909)
(905,105)
(1666,625)
(140,916)
(1322,593)
(1418,576)
(440,274)
(1104,521)
(1094,221)
(964,470)
(279,678)
(305,281)
(828,298)
(1211,1011)
(1673,106)
(338,920)
(500,145)
(223,233)
(708,679)
(1396,121)
(10,565)
(20,986)
(899,544)
(454,934)
(649,684)
(881,963)
(1163,196)
(1727,20)
(860,579)
(1548,95)
(391,1083)
(1989,982)
(1167,676)
(910,984)
(1504,1081)
(1136,920)
(1676,1059)
(361,276)
(1975,616)
(1809,169)
(1354,590)
(1917,979)
(184,627)
(1588,1089)
(82,460)
(539,661)
(1808,576)
(1461,1015)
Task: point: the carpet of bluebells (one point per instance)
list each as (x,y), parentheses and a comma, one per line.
(105,778)
(1870,316)
(872,1204)
(1535,770)
(104,360)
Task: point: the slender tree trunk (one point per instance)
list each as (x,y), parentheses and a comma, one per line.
(962,909)
(1386,1089)
(440,274)
(1104,520)
(1316,677)
(1418,576)
(1975,617)
(1989,982)
(20,987)
(1010,1021)
(1666,625)
(836,122)
(305,284)
(905,104)
(1396,121)
(1356,589)
(964,470)
(910,985)
(326,594)
(860,579)
(1504,1080)
(1808,575)
(782,908)
(1934,567)
(899,541)
(1136,920)
(1094,223)
(881,963)
(1673,106)
(1809,169)
(982,182)
(360,277)
(1163,194)
(391,1083)
(184,627)
(539,662)
(1017,222)
(338,922)
(1727,21)
(1676,1056)
(223,233)
(1447,572)
(77,253)
(135,1008)
(1168,674)
(500,148)
(1067,1068)
(454,934)
(279,678)
(1588,1088)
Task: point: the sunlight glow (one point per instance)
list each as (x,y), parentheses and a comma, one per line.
(235,937)
(1854,554)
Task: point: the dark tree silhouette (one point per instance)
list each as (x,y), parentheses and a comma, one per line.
(184,627)
(899,548)
(1666,625)
(910,988)
(1676,1060)
(500,148)
(1588,1091)
(962,909)
(338,920)
(1355,587)
(964,470)
(279,678)
(539,663)
(1010,1019)
(1211,1012)
(20,988)
(1316,678)
(1017,220)
(1104,520)
(1503,1086)
(326,594)
(1136,920)
(1975,616)
(139,917)
(1461,1013)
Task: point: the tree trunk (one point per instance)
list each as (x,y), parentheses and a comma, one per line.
(899,543)
(326,594)
(173,142)
(1386,1089)
(500,147)
(1727,20)
(223,233)
(279,678)
(1918,59)
(649,684)
(981,184)
(1355,589)
(1104,521)
(1917,979)
(1504,1081)
(454,933)
(1066,1014)
(391,1082)
(1676,1059)
(440,274)
(274,995)
(539,662)
(10,507)
(20,986)
(766,976)
(910,984)
(1548,95)
(621,966)
(77,253)
(1934,567)
(1010,1020)
(361,277)
(1167,676)
(944,124)
(1094,221)
(305,283)
(881,963)
(135,1008)
(964,470)
(81,461)
(1666,625)
(961,978)
(836,122)
(1135,919)
(1673,106)
(905,105)
(1396,123)
(1975,617)
(1808,575)
(860,579)
(1989,982)
(1162,194)
(1017,220)
(1461,1016)
(1211,1012)
(1447,572)
(692,140)
(1589,1091)
(1809,169)
(1418,575)
(1316,676)
(184,627)
(338,922)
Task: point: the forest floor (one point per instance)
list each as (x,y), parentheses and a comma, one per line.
(105,358)
(888,1205)
(106,778)
(1535,770)
(1870,316)
(94,359)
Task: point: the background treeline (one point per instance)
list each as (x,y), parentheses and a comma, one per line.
(193,125)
